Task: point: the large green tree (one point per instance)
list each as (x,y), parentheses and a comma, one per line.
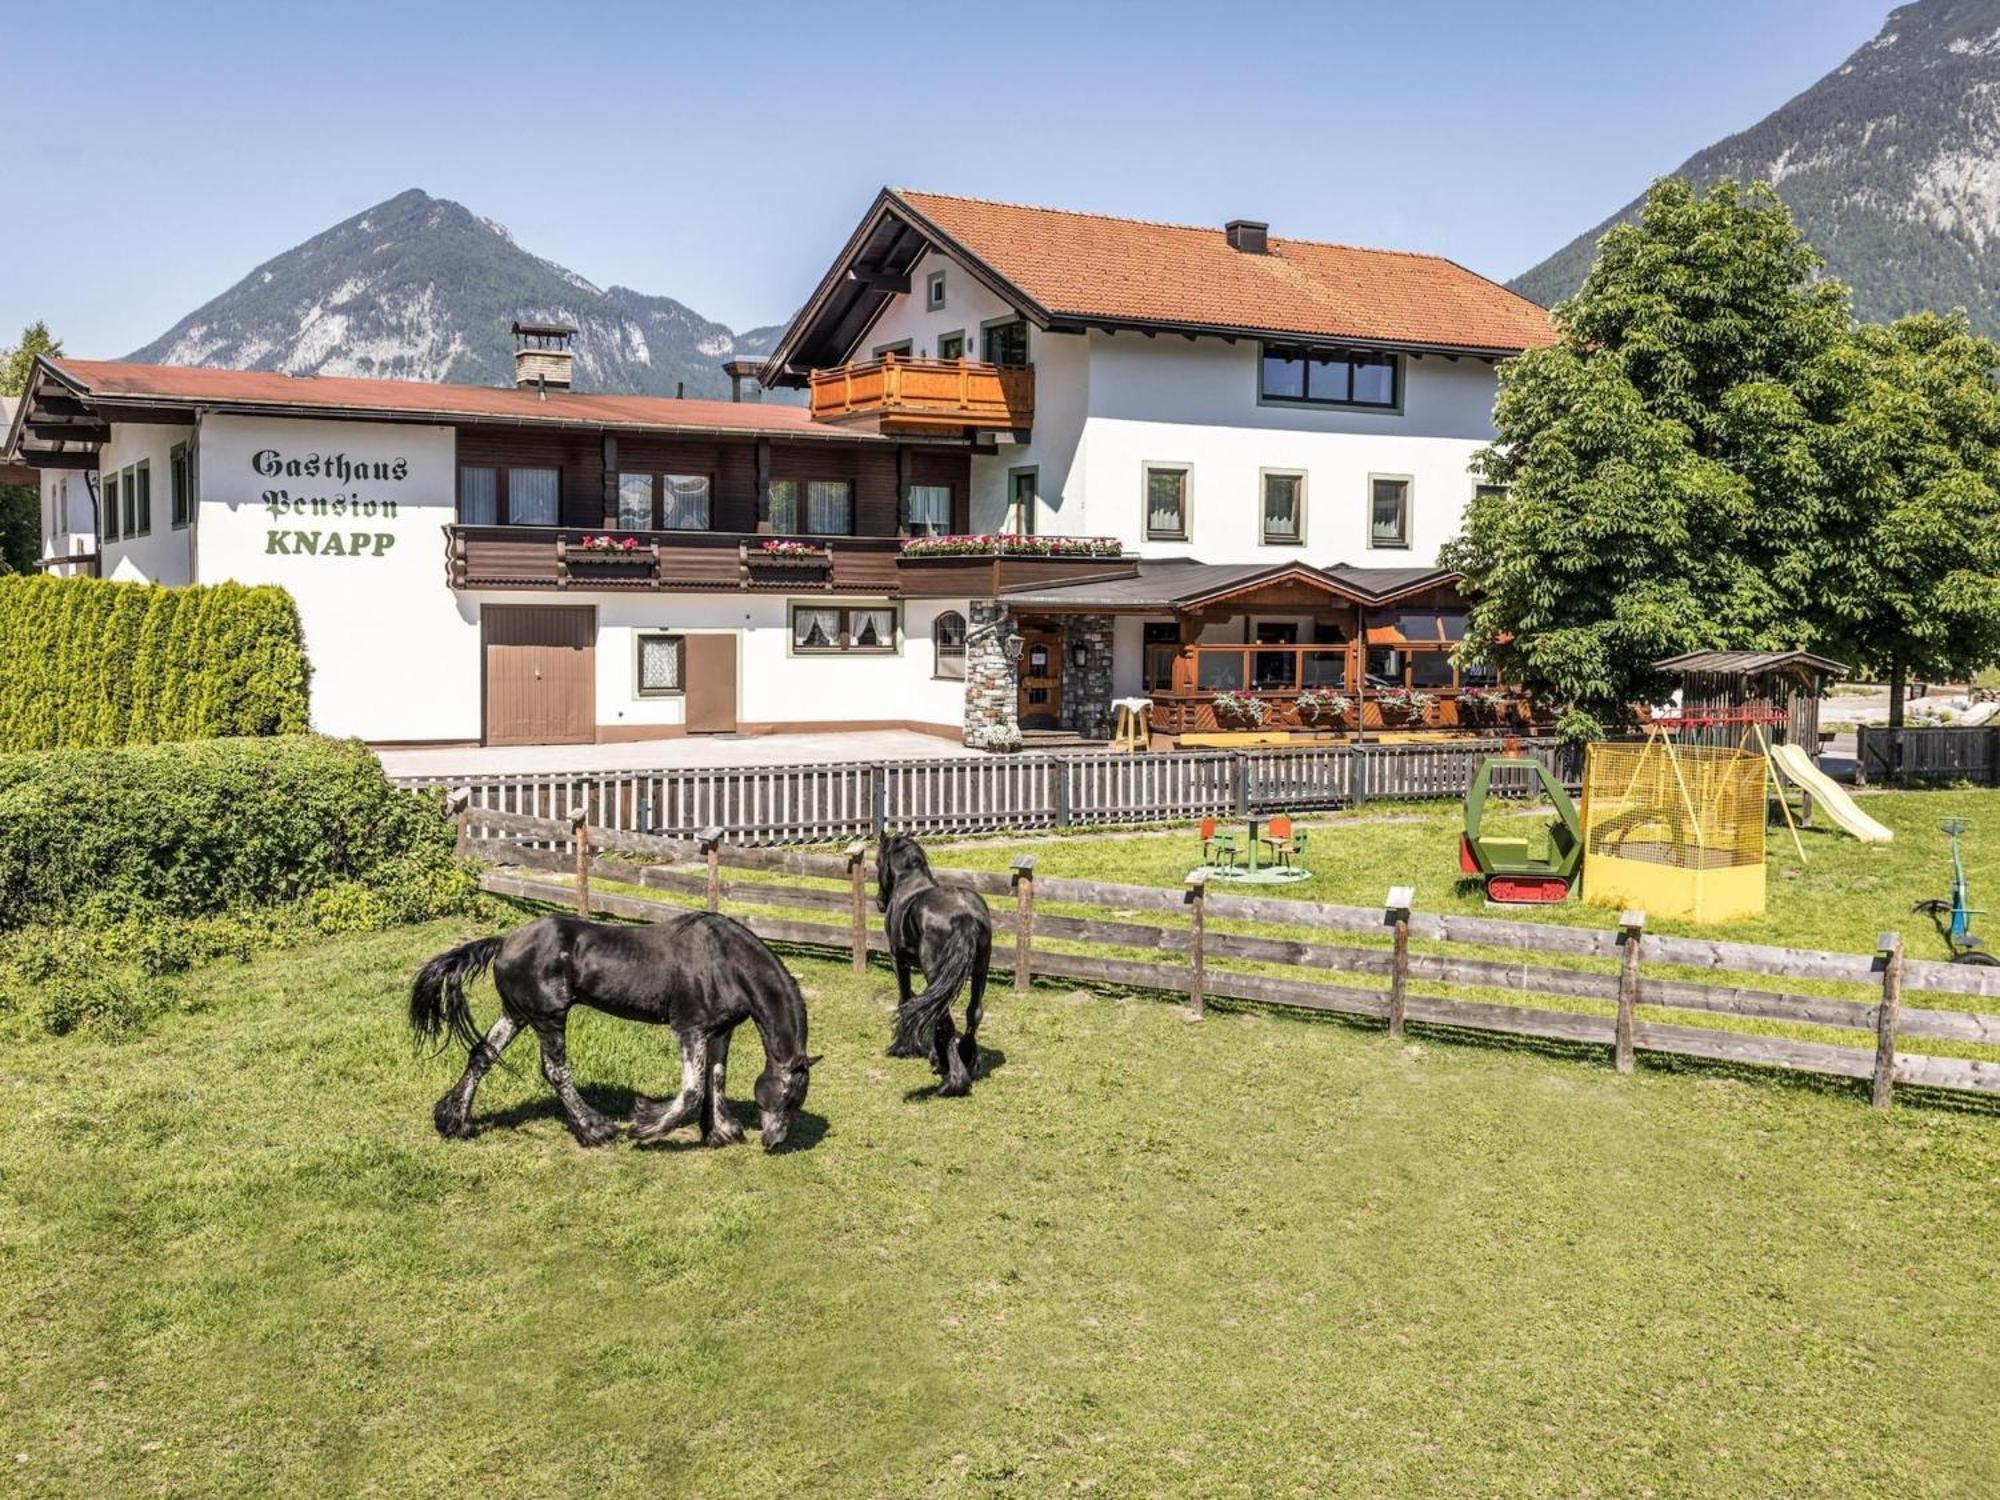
(21,504)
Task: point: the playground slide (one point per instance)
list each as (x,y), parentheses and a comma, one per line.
(1828,795)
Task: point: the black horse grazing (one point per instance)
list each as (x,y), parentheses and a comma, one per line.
(699,973)
(948,934)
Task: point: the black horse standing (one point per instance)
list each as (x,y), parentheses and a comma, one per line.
(948,934)
(702,974)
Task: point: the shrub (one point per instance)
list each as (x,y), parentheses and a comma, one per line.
(95,663)
(90,838)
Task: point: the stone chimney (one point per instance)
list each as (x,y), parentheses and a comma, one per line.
(743,382)
(1250,236)
(542,356)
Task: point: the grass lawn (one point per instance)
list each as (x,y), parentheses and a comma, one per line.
(1259,1255)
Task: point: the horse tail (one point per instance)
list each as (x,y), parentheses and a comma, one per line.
(917,1018)
(437,997)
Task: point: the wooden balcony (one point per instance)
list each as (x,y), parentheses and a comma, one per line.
(895,395)
(548,557)
(1187,681)
(986,576)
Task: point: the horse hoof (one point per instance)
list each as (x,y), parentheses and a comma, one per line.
(603,1133)
(451,1125)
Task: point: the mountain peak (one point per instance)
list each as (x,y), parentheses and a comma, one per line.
(1890,164)
(422,288)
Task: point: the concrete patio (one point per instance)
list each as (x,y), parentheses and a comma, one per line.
(691,751)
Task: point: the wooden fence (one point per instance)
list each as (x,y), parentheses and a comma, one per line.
(1943,753)
(807,804)
(1377,982)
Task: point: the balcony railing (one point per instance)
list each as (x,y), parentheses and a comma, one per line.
(924,395)
(1185,683)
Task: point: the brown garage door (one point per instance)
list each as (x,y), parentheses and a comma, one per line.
(541,666)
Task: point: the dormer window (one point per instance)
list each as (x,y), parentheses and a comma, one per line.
(934,291)
(1330,377)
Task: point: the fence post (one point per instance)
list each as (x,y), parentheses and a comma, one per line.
(1061,770)
(857,879)
(1861,755)
(1890,945)
(1024,920)
(711,848)
(580,835)
(1241,765)
(1993,756)
(1197,899)
(1358,782)
(458,802)
(878,801)
(1397,909)
(1632,926)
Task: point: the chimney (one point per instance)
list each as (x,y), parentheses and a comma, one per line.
(743,382)
(1248,236)
(542,356)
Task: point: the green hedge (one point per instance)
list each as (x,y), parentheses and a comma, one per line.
(91,837)
(86,662)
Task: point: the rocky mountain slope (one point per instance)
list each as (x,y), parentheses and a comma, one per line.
(420,288)
(1890,163)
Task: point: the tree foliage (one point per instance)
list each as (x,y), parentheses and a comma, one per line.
(21,504)
(15,363)
(1714,456)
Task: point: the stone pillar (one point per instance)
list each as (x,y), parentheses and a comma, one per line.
(992,687)
(1086,689)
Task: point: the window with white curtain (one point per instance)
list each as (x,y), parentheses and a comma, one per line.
(849,628)
(930,509)
(478,496)
(660,659)
(685,502)
(829,507)
(815,629)
(635,502)
(784,506)
(948,640)
(534,497)
(1166,503)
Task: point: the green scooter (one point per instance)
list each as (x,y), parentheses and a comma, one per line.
(1954,916)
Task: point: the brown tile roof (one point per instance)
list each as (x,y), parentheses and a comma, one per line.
(1095,268)
(192,385)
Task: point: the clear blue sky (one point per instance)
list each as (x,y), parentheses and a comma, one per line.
(720,153)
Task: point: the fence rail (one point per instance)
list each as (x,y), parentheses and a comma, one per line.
(1942,753)
(827,803)
(1174,926)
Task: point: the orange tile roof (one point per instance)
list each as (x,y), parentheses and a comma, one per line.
(195,385)
(1095,268)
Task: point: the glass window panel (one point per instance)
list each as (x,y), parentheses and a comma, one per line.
(872,629)
(1021,491)
(478,496)
(1418,625)
(1385,667)
(1219,671)
(1326,669)
(784,505)
(829,507)
(532,497)
(1006,344)
(951,346)
(128,490)
(1389,515)
(948,640)
(142,503)
(1430,669)
(1375,380)
(1166,502)
(930,508)
(635,502)
(108,487)
(1476,674)
(686,502)
(1281,507)
(1284,376)
(815,629)
(1451,625)
(659,664)
(1330,380)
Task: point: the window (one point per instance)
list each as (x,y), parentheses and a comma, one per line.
(635,502)
(934,290)
(139,499)
(900,349)
(660,660)
(1489,491)
(1166,503)
(62,504)
(1284,509)
(1329,377)
(108,507)
(1430,669)
(1162,642)
(855,629)
(1005,343)
(829,507)
(1023,485)
(534,497)
(784,506)
(180,478)
(948,641)
(930,509)
(684,502)
(1388,511)
(479,497)
(952,345)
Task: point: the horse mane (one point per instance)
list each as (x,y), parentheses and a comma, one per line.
(900,856)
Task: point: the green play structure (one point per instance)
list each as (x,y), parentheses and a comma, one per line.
(1513,875)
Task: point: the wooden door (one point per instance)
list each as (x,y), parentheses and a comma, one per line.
(711,684)
(1040,673)
(541,673)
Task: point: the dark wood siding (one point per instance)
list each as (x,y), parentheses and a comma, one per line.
(579,456)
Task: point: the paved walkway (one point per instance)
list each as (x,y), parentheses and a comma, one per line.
(690,751)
